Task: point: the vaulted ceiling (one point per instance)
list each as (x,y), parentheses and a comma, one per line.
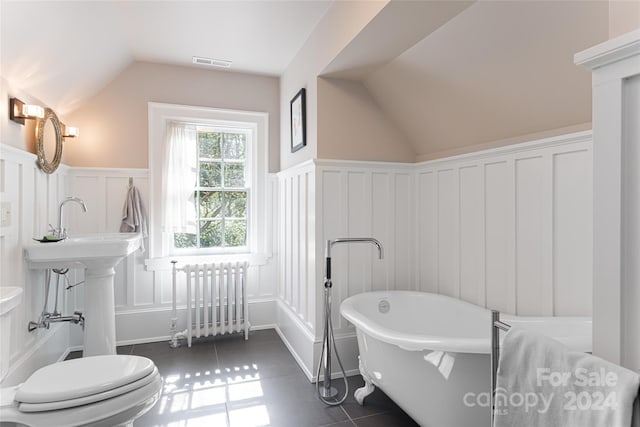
(63,52)
(448,74)
(495,71)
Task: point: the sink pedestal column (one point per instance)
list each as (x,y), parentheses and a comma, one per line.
(99,305)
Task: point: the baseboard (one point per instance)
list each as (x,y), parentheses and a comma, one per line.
(297,337)
(142,326)
(295,354)
(306,348)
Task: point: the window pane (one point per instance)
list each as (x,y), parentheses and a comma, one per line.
(234,175)
(236,202)
(210,234)
(234,145)
(211,204)
(210,174)
(210,143)
(235,233)
(184,240)
(222,214)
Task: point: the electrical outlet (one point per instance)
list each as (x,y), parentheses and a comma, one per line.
(5,214)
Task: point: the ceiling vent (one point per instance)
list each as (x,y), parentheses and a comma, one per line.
(199,60)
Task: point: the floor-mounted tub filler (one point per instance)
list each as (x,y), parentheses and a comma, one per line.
(327,393)
(431,353)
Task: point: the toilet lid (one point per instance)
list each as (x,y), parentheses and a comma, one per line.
(78,378)
(95,398)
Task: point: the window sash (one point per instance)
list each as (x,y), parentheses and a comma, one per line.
(223,219)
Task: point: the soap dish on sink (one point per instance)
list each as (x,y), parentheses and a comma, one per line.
(46,239)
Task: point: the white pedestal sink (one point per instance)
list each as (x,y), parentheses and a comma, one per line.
(98,254)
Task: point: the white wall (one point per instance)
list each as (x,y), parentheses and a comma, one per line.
(296,310)
(33,197)
(143,296)
(510,229)
(507,228)
(615,67)
(143,293)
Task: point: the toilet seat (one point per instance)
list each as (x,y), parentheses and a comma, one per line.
(84,381)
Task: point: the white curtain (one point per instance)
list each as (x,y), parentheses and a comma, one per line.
(179,178)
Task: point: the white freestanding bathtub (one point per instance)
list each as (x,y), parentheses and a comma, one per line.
(431,353)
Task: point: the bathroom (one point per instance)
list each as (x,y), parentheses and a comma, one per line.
(475,170)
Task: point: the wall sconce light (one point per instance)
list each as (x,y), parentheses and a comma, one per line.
(70,131)
(19,111)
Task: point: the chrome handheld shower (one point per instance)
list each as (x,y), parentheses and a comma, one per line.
(328,393)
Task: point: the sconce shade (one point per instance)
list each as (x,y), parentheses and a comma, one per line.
(32,111)
(70,131)
(19,111)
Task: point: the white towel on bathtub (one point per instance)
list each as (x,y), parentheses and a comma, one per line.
(542,383)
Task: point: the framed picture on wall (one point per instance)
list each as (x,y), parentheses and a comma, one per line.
(298,121)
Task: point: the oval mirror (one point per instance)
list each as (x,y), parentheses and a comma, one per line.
(49,141)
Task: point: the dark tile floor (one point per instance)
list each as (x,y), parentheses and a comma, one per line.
(227,381)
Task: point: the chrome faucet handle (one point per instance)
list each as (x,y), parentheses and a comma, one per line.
(60,233)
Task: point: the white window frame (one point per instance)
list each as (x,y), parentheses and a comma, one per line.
(160,242)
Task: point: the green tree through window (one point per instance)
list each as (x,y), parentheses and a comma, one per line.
(221,192)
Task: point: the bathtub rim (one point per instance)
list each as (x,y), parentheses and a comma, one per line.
(416,342)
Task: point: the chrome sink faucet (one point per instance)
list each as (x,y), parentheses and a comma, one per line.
(61,232)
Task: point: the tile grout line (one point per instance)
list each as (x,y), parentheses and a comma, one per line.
(226,403)
(353,420)
(347,414)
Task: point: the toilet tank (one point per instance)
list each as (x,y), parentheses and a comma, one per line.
(10,298)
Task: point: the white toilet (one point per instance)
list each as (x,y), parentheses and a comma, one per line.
(95,391)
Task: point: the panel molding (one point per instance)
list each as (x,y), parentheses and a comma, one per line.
(33,197)
(505,297)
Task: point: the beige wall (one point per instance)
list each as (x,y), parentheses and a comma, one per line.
(342,22)
(113,124)
(504,142)
(624,16)
(352,127)
(428,103)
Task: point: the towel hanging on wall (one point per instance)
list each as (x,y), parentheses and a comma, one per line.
(133,214)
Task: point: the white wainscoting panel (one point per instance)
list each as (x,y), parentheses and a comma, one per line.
(471,234)
(296,240)
(572,237)
(33,197)
(499,213)
(144,296)
(512,226)
(296,311)
(506,228)
(427,232)
(362,199)
(531,248)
